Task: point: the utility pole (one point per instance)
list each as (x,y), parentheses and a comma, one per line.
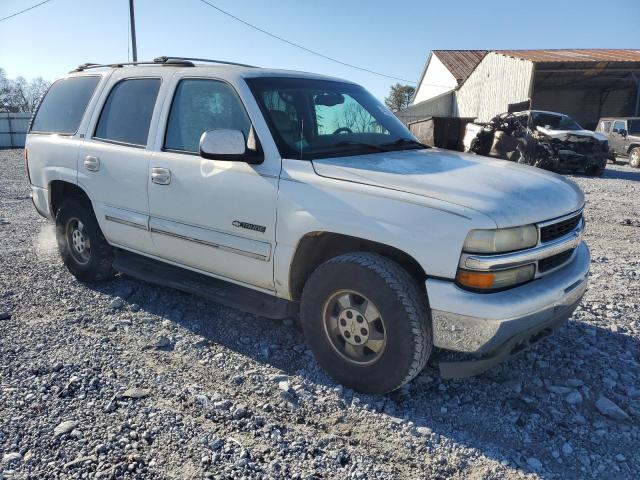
(134,48)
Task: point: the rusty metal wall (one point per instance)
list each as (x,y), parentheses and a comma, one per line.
(442,132)
(495,83)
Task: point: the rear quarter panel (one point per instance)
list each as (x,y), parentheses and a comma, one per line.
(54,156)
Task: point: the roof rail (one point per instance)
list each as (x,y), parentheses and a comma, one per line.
(167,59)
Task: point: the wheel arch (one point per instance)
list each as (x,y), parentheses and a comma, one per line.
(315,248)
(59,190)
(632,146)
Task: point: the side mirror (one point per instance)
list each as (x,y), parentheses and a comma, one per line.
(230,145)
(623,132)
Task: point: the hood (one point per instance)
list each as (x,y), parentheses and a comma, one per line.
(562,134)
(509,193)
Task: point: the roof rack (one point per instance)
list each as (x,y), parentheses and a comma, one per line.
(165,59)
(171,61)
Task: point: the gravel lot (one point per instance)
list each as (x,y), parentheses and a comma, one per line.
(130,380)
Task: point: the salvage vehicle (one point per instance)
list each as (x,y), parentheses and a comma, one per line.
(623,134)
(286,193)
(548,140)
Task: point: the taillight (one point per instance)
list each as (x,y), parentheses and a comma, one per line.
(26,164)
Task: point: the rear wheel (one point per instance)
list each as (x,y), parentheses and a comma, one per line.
(367,322)
(82,246)
(634,158)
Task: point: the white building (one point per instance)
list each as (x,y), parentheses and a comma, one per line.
(585,84)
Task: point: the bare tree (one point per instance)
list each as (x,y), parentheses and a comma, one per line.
(357,119)
(36,90)
(19,95)
(5,92)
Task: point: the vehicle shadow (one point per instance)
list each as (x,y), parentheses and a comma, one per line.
(610,174)
(618,174)
(518,411)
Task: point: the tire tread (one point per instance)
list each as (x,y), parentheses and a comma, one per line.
(412,299)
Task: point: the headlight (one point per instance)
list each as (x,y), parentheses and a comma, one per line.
(501,240)
(495,280)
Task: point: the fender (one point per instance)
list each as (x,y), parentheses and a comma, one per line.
(427,230)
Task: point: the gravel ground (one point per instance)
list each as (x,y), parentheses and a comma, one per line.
(129,380)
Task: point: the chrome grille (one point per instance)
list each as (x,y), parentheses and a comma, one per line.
(559,229)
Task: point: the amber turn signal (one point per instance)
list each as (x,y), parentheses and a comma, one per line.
(495,280)
(475,279)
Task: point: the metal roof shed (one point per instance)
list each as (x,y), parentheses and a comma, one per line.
(584,83)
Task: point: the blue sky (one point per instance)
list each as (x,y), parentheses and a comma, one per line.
(391,37)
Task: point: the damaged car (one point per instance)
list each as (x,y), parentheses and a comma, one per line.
(548,140)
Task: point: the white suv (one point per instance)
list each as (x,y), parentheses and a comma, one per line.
(282,192)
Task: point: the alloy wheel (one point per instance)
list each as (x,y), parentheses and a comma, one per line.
(79,241)
(354,327)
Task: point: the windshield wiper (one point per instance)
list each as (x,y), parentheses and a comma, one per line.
(379,148)
(405,141)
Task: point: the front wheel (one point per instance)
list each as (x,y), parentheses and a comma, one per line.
(82,246)
(596,170)
(367,322)
(634,158)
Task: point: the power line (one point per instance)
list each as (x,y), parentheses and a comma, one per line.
(293,44)
(23,11)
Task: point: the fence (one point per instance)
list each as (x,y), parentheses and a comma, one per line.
(13,129)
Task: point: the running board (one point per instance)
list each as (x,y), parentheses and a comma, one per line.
(219,291)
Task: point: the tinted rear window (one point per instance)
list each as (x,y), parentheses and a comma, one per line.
(63,106)
(126,114)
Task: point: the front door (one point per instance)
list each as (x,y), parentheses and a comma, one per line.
(216,216)
(617,140)
(114,161)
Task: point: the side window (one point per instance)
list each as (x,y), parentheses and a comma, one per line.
(346,115)
(618,125)
(126,114)
(605,126)
(63,106)
(200,105)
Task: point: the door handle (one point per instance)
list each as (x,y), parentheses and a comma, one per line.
(92,163)
(161,176)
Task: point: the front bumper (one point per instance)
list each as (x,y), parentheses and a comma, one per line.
(495,325)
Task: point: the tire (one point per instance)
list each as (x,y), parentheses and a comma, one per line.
(634,157)
(76,227)
(596,170)
(404,320)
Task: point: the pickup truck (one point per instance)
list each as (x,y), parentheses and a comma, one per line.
(286,193)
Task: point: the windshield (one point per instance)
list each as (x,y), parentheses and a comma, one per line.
(311,118)
(554,122)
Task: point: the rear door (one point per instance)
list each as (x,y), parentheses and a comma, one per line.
(114,159)
(212,215)
(616,140)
